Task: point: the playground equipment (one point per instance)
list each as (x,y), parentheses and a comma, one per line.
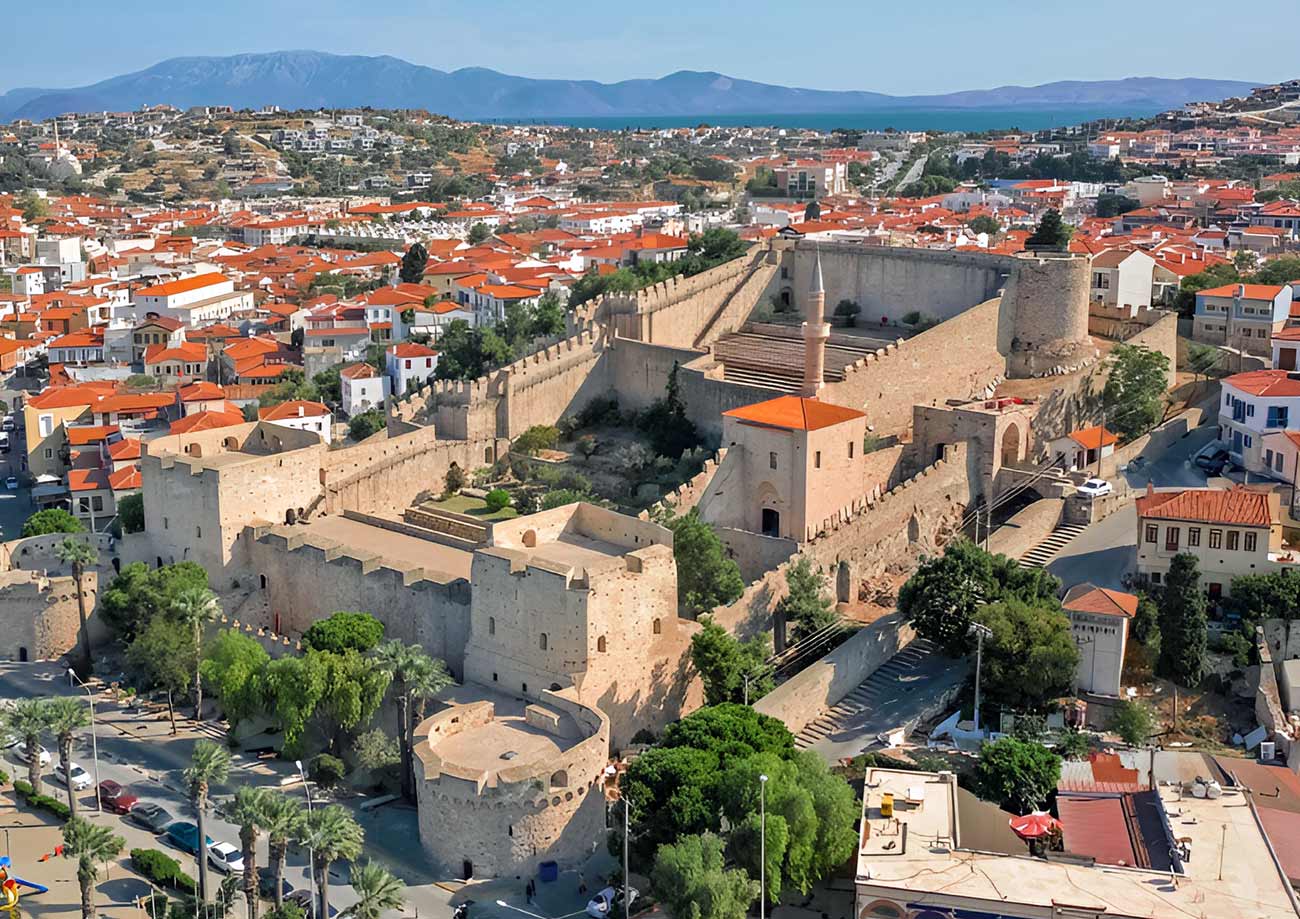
(9,892)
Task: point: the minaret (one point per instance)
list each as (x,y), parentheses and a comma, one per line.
(815,332)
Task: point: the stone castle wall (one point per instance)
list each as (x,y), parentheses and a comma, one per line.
(39,615)
(1047,301)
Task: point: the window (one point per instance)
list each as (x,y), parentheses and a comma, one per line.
(1278,462)
(492,625)
(817,460)
(1233,537)
(1250,410)
(1278,416)
(1171,539)
(771,461)
(164,523)
(1246,440)
(1152,531)
(1193,536)
(1216,539)
(850,449)
(47,425)
(49,454)
(658,627)
(1155,577)
(1252,542)
(600,644)
(542,641)
(408,365)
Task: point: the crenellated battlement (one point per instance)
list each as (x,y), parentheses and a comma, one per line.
(316,550)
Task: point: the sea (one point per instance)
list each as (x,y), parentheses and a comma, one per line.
(1025,119)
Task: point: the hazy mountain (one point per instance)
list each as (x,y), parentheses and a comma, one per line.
(311,79)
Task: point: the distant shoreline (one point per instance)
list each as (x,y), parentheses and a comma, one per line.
(930,119)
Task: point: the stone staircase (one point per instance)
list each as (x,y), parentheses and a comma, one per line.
(760,273)
(884,681)
(1045,551)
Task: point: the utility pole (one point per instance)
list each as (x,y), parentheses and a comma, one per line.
(627,831)
(1101,440)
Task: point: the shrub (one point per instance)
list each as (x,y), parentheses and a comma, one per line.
(344,631)
(454,480)
(22,789)
(4,777)
(161,869)
(599,411)
(538,437)
(1133,722)
(848,311)
(327,770)
(497,499)
(912,318)
(588,445)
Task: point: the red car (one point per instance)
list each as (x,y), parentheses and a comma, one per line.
(116,798)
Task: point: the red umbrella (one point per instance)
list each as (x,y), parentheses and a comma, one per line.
(1034,826)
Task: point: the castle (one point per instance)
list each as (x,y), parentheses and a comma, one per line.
(563,626)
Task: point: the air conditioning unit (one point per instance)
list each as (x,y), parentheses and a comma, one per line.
(1267,750)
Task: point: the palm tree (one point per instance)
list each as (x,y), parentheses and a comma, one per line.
(379,891)
(80,554)
(67,716)
(92,844)
(30,719)
(249,812)
(417,677)
(209,766)
(331,833)
(196,607)
(283,820)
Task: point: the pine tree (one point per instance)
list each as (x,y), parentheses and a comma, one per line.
(1051,234)
(807,605)
(1182,623)
(413,264)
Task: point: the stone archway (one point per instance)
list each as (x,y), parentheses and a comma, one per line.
(1012,448)
(768,511)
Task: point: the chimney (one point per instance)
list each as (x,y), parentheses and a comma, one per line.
(302,411)
(1151,489)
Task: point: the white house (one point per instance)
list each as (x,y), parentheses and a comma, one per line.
(301,415)
(1122,279)
(410,362)
(1083,450)
(194,301)
(1099,621)
(1256,403)
(1244,316)
(363,388)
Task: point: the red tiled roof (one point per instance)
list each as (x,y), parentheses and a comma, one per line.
(201,391)
(183,285)
(127,448)
(1085,598)
(87,479)
(1097,827)
(1252,291)
(358,372)
(1265,383)
(205,421)
(1208,505)
(294,408)
(794,413)
(1094,438)
(125,479)
(411,349)
(82,435)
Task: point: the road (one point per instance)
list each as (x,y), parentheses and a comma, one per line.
(912,174)
(138,751)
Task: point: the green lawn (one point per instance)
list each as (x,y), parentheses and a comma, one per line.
(474,507)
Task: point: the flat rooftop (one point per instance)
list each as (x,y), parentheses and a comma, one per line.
(1231,872)
(443,563)
(483,748)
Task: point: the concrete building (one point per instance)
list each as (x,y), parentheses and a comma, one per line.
(1242,316)
(1099,621)
(1088,450)
(1122,280)
(812,179)
(1232,532)
(410,362)
(1256,403)
(301,415)
(362,388)
(192,301)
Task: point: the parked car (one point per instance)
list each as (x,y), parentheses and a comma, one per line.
(9,424)
(73,776)
(116,798)
(11,483)
(184,835)
(266,884)
(21,751)
(225,857)
(303,899)
(1213,461)
(598,907)
(153,817)
(1095,488)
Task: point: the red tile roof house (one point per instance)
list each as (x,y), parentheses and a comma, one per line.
(1099,622)
(410,362)
(1231,531)
(1244,316)
(301,415)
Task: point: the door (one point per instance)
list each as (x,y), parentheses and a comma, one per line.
(1236,442)
(1286,359)
(771,522)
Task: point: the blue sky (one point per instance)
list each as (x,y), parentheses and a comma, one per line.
(882,45)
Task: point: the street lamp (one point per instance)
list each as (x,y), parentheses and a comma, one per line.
(504,905)
(94,740)
(762,846)
(311,850)
(981,632)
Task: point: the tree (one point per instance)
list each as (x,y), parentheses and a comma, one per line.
(806,603)
(985,224)
(196,607)
(1052,234)
(28,720)
(478,233)
(51,520)
(138,594)
(665,422)
(284,821)
(295,687)
(1111,205)
(130,511)
(724,663)
(34,206)
(706,578)
(538,437)
(1030,658)
(548,316)
(377,889)
(1256,597)
(497,499)
(331,833)
(248,812)
(1133,721)
(848,310)
(328,384)
(1134,393)
(416,678)
(366,424)
(413,264)
(1016,775)
(690,876)
(1182,623)
(67,715)
(813,211)
(344,631)
(162,657)
(454,480)
(79,555)
(234,665)
(209,765)
(466,353)
(92,845)
(353,691)
(374,750)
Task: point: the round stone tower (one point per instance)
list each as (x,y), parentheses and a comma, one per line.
(1046,302)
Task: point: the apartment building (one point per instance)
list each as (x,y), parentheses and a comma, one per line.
(1243,316)
(1257,403)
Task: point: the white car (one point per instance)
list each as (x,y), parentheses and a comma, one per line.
(21,751)
(11,483)
(75,777)
(598,907)
(225,857)
(1095,488)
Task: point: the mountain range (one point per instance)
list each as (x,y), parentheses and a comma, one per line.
(313,79)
